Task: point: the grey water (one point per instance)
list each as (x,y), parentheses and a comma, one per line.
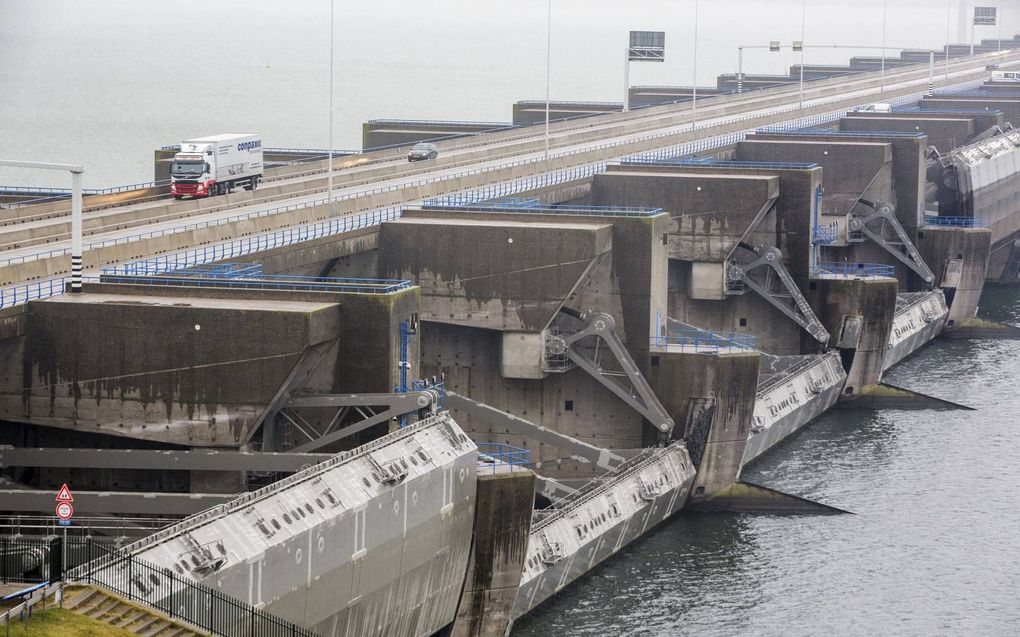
(933,547)
(105,82)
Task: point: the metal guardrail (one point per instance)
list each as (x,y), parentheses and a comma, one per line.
(588,211)
(808,132)
(702,340)
(241,247)
(723,163)
(178,597)
(273,282)
(855,269)
(955,222)
(493,455)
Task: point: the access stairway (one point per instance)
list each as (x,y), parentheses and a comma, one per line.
(111,609)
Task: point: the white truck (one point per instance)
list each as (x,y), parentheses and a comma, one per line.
(214,165)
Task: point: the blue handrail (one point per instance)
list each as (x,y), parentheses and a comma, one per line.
(705,340)
(855,269)
(955,222)
(493,455)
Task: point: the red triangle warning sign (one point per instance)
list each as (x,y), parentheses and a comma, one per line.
(64,495)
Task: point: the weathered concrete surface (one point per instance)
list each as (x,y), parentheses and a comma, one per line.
(1010,106)
(710,213)
(959,259)
(711,398)
(382,133)
(944,132)
(491,273)
(851,168)
(503,511)
(128,361)
(194,372)
(843,303)
(527,112)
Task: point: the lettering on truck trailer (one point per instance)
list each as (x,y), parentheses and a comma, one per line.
(252,145)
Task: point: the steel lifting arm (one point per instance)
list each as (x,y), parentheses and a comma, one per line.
(800,311)
(577,449)
(884,213)
(639,395)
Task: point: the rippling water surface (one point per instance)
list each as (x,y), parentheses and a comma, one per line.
(934,547)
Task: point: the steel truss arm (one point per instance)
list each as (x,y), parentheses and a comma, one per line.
(395,405)
(884,214)
(800,312)
(582,451)
(638,394)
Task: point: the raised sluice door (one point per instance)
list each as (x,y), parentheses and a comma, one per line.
(798,392)
(920,317)
(372,542)
(578,532)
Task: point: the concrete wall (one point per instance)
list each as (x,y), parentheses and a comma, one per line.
(710,213)
(873,300)
(711,398)
(528,112)
(944,132)
(388,132)
(139,367)
(1010,106)
(939,246)
(503,510)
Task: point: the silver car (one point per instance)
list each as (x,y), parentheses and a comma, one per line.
(423,150)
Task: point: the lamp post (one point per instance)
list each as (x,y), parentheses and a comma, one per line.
(949,20)
(548,60)
(694,85)
(884,23)
(76,208)
(329,180)
(803,29)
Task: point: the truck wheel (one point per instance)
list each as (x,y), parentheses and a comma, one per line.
(178,197)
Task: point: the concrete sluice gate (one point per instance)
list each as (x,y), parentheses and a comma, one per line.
(374,541)
(593,523)
(792,391)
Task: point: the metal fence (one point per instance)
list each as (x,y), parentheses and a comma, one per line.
(180,598)
(29,560)
(705,340)
(955,222)
(493,456)
(272,282)
(855,269)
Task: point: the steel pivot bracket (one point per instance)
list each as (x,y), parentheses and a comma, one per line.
(790,301)
(627,383)
(874,226)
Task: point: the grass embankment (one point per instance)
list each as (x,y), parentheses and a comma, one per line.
(58,622)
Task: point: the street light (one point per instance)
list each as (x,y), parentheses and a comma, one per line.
(76,206)
(885,16)
(803,29)
(694,84)
(548,60)
(329,186)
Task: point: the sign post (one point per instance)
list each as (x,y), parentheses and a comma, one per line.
(64,511)
(645,46)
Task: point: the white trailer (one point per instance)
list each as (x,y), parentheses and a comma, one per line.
(214,165)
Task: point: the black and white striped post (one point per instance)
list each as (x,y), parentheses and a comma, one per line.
(76,205)
(931,73)
(76,209)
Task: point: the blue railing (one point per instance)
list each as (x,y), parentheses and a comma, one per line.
(499,206)
(272,282)
(955,222)
(493,455)
(705,340)
(807,132)
(825,235)
(722,163)
(855,269)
